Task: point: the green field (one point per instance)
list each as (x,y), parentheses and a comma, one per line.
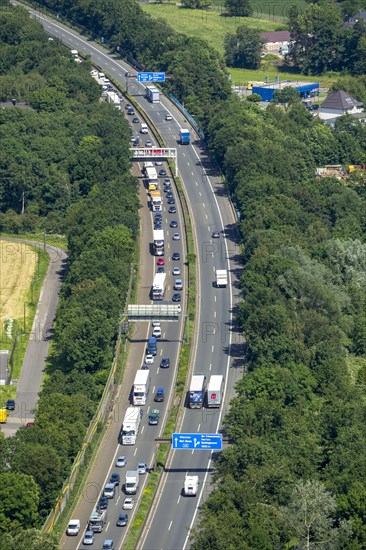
(208,25)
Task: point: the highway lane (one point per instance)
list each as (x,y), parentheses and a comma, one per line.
(207,217)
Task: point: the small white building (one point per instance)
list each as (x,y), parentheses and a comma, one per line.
(340,103)
(276,42)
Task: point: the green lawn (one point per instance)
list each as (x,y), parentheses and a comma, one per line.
(209,25)
(241,77)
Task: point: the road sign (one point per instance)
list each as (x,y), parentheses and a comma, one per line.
(200,442)
(150,77)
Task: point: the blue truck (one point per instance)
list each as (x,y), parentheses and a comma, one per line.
(185,136)
(151,345)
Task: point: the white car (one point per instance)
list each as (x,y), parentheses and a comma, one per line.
(176,237)
(168,117)
(141,468)
(158,163)
(156,324)
(176,271)
(88,538)
(109,490)
(178,284)
(128,504)
(121,462)
(149,359)
(73,528)
(156,332)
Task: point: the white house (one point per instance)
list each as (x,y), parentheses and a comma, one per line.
(340,103)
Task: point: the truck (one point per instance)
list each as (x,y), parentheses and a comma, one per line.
(113,97)
(190,486)
(158,236)
(3,416)
(153,94)
(74,54)
(132,482)
(221,278)
(215,390)
(130,426)
(141,387)
(97,520)
(155,201)
(152,345)
(185,136)
(158,287)
(152,178)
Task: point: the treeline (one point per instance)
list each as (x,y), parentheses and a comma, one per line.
(65,166)
(294,474)
(197,73)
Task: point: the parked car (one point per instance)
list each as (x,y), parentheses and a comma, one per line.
(165,363)
(88,538)
(121,462)
(141,468)
(10,405)
(122,520)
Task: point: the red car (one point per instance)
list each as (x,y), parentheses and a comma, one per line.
(161,261)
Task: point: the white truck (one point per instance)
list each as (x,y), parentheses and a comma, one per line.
(130,426)
(158,287)
(113,97)
(215,391)
(141,387)
(74,54)
(132,482)
(190,486)
(97,520)
(221,278)
(158,236)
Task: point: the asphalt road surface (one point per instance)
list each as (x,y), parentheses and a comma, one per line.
(217,345)
(30,379)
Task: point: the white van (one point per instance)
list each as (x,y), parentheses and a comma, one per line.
(144,129)
(73,527)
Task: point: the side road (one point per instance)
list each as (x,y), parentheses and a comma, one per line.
(30,379)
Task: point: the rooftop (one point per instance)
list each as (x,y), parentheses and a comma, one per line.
(276,36)
(340,100)
(287,83)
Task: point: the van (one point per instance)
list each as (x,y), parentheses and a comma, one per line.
(109,490)
(151,345)
(73,527)
(144,129)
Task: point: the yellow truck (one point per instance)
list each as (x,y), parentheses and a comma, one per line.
(3,416)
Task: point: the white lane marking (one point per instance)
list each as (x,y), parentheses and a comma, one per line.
(196,182)
(200,194)
(148,409)
(198,428)
(213,347)
(215,298)
(108,524)
(214,314)
(170,525)
(178,499)
(210,366)
(206,216)
(203,204)
(134,454)
(193,451)
(142,429)
(118,500)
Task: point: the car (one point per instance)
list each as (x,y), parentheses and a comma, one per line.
(162,172)
(109,490)
(135,120)
(160,269)
(158,216)
(130,111)
(178,284)
(167,189)
(88,538)
(128,106)
(148,143)
(144,367)
(169,195)
(121,462)
(159,396)
(154,417)
(168,117)
(175,256)
(161,261)
(176,236)
(167,182)
(174,223)
(136,143)
(158,163)
(176,271)
(29,424)
(149,359)
(216,235)
(108,545)
(172,210)
(115,478)
(127,74)
(10,405)
(122,520)
(141,468)
(156,332)
(133,138)
(128,503)
(171,200)
(155,324)
(158,225)
(73,527)
(103,503)
(165,363)
(176,297)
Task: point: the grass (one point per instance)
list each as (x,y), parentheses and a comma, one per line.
(21,331)
(241,77)
(209,25)
(269,9)
(54,240)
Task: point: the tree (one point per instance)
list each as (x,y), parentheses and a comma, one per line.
(239,8)
(243,49)
(311,514)
(287,96)
(18,502)
(29,539)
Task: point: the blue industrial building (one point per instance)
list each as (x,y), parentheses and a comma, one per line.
(305,89)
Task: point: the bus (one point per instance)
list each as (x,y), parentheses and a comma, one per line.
(197,391)
(215,390)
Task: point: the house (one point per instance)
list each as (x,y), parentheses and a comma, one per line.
(360,16)
(276,42)
(340,103)
(4,373)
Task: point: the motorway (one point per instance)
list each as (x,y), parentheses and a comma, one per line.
(217,347)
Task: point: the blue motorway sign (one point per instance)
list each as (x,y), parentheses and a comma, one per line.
(200,442)
(150,77)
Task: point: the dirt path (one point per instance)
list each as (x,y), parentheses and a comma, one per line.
(17,266)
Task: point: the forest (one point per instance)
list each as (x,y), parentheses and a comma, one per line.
(297,425)
(63,163)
